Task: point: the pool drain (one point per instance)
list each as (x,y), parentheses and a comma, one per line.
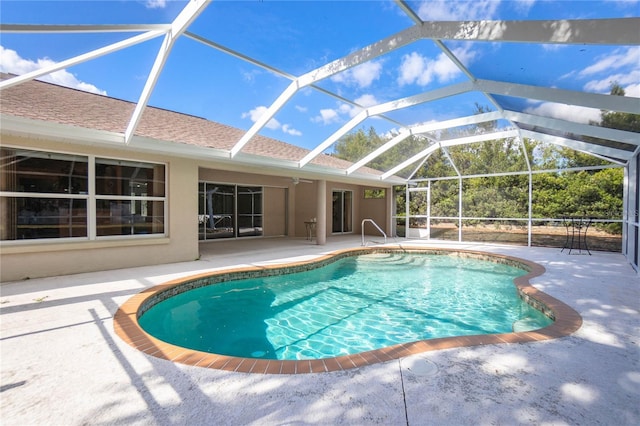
(419,366)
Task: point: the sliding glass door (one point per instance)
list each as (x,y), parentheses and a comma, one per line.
(342,218)
(249,218)
(228,211)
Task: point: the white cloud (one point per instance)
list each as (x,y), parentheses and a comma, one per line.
(632,90)
(621,67)
(550,47)
(290,130)
(347,109)
(301,108)
(570,74)
(367,100)
(155,4)
(390,134)
(250,76)
(413,69)
(255,114)
(327,116)
(619,59)
(273,124)
(574,113)
(448,10)
(344,111)
(523,6)
(604,85)
(421,70)
(361,76)
(11,62)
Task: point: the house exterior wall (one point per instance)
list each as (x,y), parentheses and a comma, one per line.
(286,207)
(305,206)
(376,209)
(275,212)
(38,258)
(302,201)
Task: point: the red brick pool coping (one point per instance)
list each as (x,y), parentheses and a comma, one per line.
(566,321)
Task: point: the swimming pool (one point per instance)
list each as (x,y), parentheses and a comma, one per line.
(320,318)
(355,304)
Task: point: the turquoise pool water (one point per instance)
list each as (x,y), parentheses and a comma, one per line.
(353,305)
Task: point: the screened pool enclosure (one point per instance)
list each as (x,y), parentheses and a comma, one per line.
(503,116)
(511,206)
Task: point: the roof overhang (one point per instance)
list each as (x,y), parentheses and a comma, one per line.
(614,145)
(206,156)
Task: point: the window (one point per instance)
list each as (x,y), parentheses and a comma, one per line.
(375,193)
(46,195)
(129,197)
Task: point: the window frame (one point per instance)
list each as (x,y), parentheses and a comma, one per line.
(91,198)
(370,193)
(203,215)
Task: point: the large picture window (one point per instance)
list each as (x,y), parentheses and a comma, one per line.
(129,197)
(46,195)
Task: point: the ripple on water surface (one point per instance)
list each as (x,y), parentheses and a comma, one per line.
(353,305)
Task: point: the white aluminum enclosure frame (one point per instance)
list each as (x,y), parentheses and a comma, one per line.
(621,148)
(591,31)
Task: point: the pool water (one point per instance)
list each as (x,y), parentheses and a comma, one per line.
(353,305)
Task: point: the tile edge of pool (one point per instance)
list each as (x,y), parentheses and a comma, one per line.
(126,326)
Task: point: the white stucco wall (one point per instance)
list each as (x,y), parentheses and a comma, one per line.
(30,259)
(21,260)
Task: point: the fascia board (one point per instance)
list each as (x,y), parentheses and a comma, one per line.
(312,171)
(41,129)
(158,146)
(262,161)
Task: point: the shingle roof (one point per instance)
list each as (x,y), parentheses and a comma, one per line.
(57,104)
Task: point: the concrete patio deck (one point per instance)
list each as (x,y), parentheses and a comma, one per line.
(62,364)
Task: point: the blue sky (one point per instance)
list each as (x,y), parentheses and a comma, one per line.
(296,37)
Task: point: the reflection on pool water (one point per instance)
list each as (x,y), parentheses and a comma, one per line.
(352,305)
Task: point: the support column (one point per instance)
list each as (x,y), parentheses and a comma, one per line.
(391,211)
(321,213)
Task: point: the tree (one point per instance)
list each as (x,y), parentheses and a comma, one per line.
(620,120)
(596,193)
